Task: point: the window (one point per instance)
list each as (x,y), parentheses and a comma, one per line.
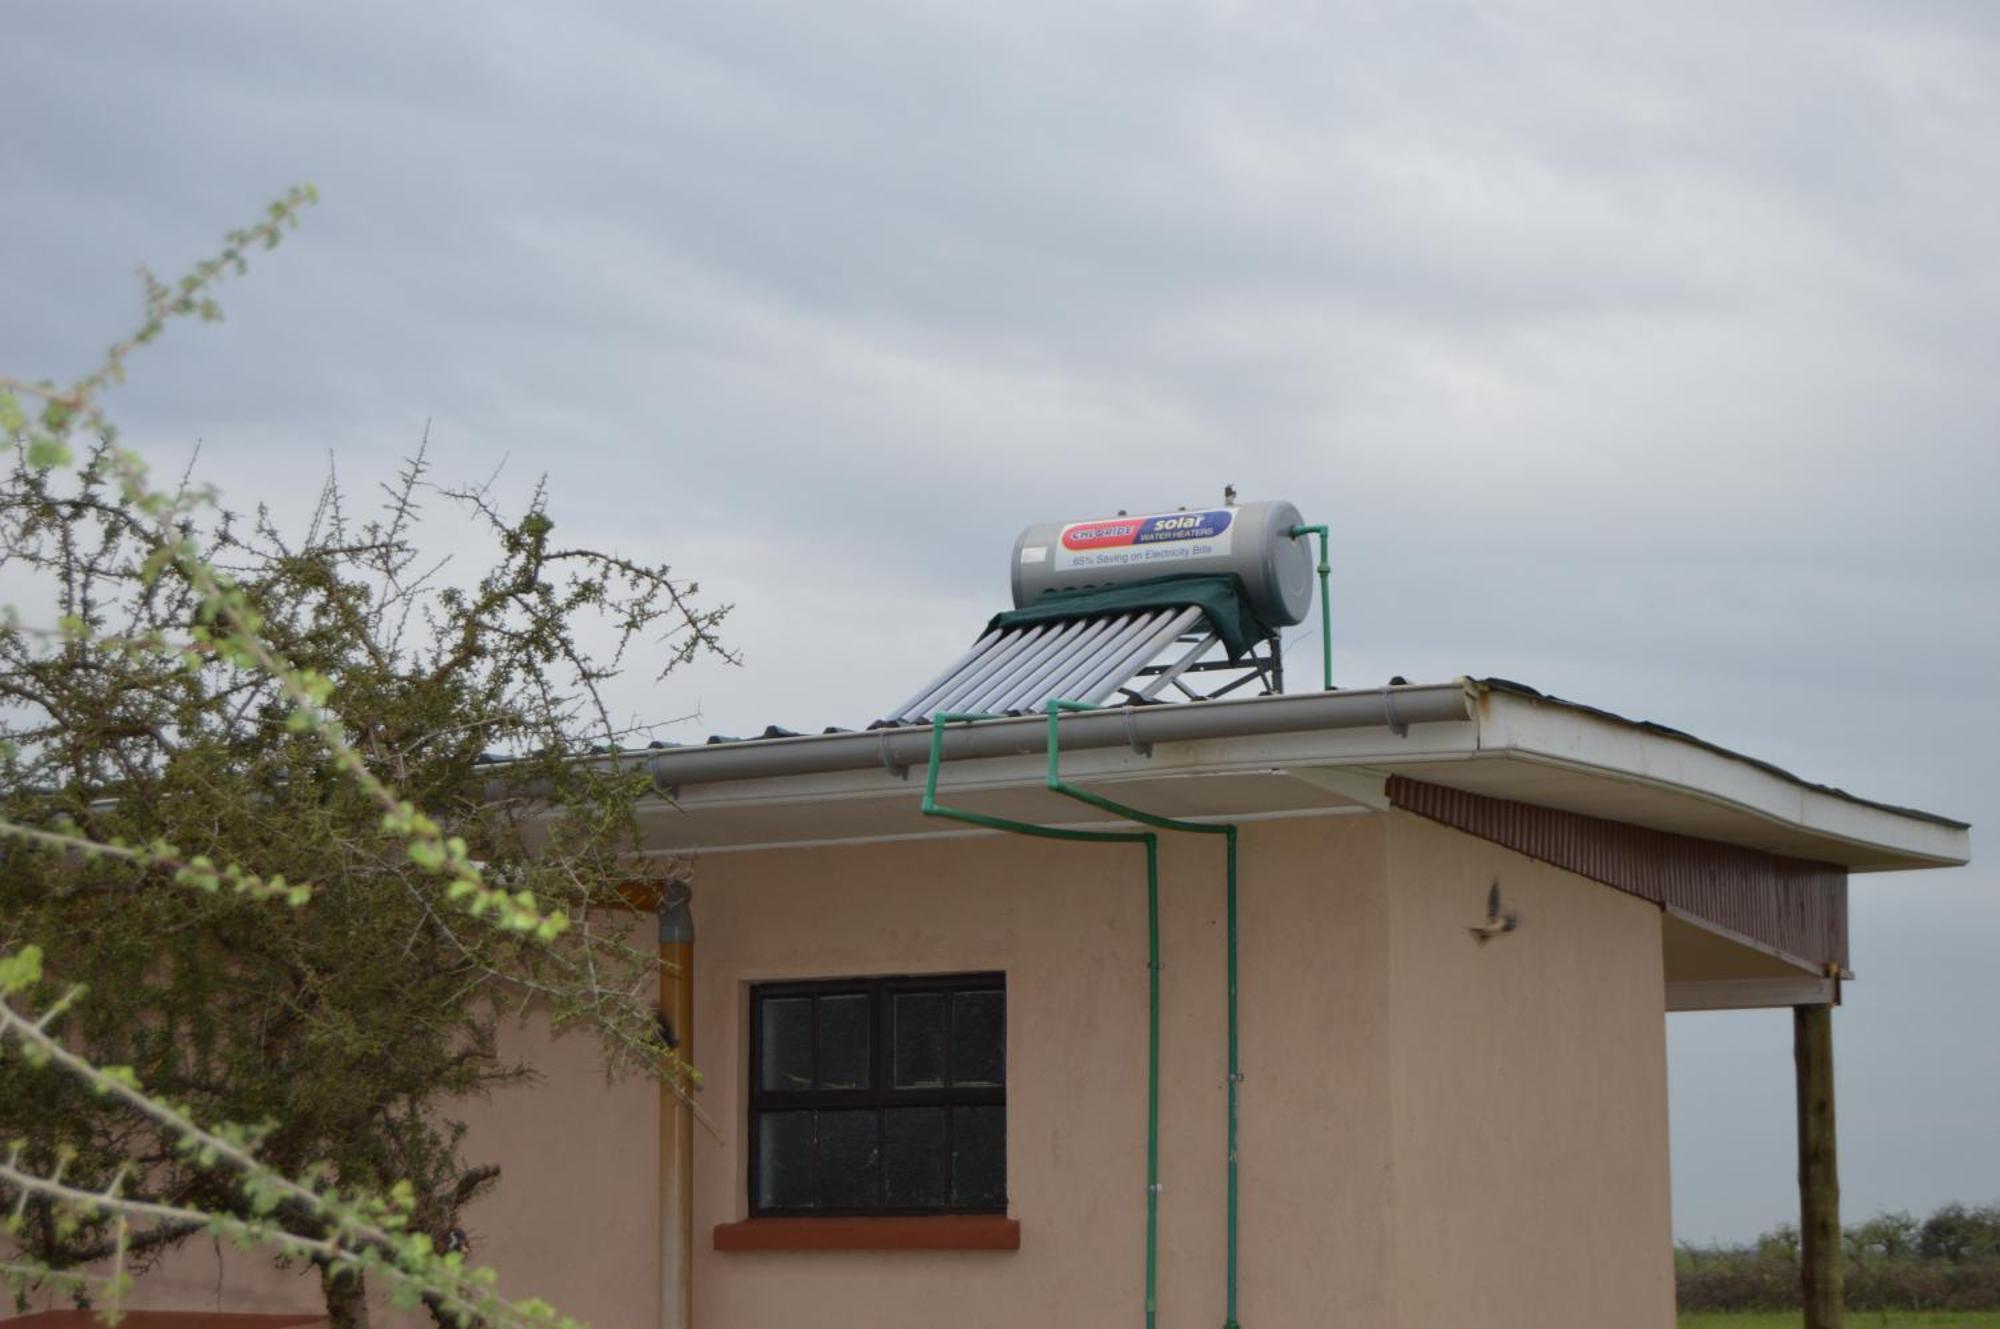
(879,1096)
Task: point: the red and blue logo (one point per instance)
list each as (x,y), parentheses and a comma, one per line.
(1117,531)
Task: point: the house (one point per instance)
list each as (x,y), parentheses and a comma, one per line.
(1432,1125)
(1312,1007)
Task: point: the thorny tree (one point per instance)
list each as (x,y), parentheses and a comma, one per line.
(178,711)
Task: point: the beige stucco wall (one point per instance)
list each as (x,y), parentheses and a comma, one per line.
(1433,1132)
(575,1217)
(1528,1078)
(573,1220)
(1067,924)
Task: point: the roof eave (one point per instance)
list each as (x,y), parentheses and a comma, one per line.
(1553,733)
(1470,733)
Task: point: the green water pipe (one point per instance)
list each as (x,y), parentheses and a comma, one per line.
(932,808)
(1058,785)
(1325,600)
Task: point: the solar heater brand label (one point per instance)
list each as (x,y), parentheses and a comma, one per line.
(1164,538)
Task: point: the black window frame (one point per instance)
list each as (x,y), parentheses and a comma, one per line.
(880,1094)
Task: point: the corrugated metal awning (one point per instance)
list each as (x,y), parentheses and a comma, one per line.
(1016,670)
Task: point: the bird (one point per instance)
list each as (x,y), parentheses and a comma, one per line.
(457,1243)
(1499,918)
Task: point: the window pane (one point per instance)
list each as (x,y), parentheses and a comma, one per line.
(920,1040)
(915,1168)
(787,1043)
(785,1160)
(850,1160)
(843,1042)
(979,1157)
(978,1038)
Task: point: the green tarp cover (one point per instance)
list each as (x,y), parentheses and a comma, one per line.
(1220,598)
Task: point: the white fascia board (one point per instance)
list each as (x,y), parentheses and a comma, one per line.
(1556,735)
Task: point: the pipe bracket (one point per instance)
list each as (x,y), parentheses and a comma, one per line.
(898,769)
(1397,726)
(1132,734)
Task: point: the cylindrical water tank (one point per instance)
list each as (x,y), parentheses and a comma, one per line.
(1253,540)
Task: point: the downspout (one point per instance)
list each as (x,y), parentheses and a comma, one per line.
(676,1116)
(1325,600)
(932,808)
(1058,785)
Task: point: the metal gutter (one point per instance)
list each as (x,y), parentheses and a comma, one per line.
(900,749)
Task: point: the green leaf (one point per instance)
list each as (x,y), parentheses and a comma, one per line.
(56,416)
(46,452)
(21,970)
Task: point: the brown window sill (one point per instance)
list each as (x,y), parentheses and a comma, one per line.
(939,1232)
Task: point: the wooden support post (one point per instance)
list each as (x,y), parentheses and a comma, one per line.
(1819,1173)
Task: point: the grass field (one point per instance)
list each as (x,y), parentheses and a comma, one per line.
(1853,1320)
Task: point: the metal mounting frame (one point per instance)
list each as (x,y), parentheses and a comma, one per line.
(1264,663)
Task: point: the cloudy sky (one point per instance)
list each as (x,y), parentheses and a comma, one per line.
(1643,353)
